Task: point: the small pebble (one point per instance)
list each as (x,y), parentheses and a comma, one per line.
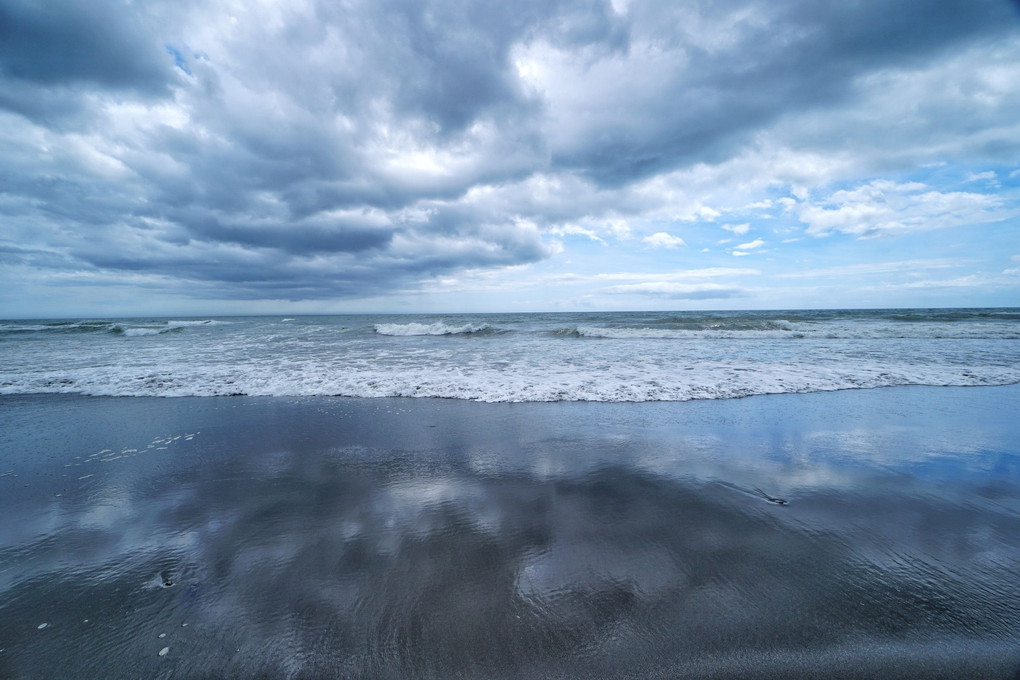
(43,625)
(164,651)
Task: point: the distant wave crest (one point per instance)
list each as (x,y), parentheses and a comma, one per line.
(438,328)
(132,329)
(765,329)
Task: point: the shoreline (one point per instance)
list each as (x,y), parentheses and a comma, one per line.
(344,397)
(574,400)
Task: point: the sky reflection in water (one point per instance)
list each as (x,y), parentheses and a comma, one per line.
(395,538)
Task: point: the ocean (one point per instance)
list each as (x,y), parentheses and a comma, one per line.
(613,357)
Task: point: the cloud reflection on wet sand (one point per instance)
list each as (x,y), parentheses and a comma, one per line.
(359,559)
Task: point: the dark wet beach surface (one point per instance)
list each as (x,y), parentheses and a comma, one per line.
(318,537)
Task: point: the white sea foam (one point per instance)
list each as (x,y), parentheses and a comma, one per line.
(786,330)
(171,326)
(184,323)
(437,328)
(138,332)
(681,333)
(549,380)
(10,327)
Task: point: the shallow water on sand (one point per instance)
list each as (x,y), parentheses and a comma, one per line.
(317,537)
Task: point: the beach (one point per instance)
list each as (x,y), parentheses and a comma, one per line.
(847,534)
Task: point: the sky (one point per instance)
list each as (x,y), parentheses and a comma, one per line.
(332,156)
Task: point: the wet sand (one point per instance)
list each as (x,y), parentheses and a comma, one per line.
(321,538)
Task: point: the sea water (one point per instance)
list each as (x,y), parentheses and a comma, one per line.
(636,356)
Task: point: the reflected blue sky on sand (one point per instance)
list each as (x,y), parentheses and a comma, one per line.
(388,538)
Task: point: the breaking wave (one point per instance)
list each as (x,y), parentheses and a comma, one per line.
(438,328)
(124,328)
(624,333)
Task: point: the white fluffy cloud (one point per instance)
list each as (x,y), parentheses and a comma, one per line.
(882,207)
(738,229)
(661,239)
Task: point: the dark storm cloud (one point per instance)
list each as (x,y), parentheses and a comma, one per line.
(340,148)
(295,240)
(13,254)
(101,42)
(51,53)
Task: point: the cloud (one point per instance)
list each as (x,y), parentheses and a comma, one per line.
(661,239)
(968,281)
(739,229)
(723,71)
(63,42)
(576,230)
(317,151)
(883,208)
(745,249)
(681,291)
(680,274)
(680,284)
(870,268)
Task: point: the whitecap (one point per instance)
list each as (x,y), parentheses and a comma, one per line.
(438,328)
(184,323)
(139,332)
